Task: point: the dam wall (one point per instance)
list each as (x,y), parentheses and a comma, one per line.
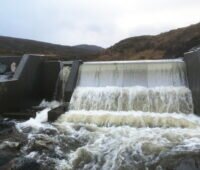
(29,84)
(50,71)
(192,60)
(37,78)
(21,89)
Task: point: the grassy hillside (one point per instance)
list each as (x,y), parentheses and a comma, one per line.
(16,46)
(91,48)
(171,44)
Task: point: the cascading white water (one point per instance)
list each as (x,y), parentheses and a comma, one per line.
(135,73)
(64,75)
(149,86)
(157,99)
(60,84)
(134,94)
(124,116)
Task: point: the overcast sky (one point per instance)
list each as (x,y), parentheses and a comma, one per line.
(99,22)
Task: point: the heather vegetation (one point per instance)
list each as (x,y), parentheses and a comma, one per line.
(170,44)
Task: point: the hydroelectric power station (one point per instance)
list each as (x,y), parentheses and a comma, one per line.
(106,115)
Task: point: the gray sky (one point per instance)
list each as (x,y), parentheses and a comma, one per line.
(99,22)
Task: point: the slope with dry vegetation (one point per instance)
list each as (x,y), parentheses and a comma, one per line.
(171,44)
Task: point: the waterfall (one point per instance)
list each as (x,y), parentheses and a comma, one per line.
(61,82)
(122,115)
(135,73)
(157,99)
(143,88)
(153,86)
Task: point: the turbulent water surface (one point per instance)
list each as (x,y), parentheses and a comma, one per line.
(147,126)
(113,140)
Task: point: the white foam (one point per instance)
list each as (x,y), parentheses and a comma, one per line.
(115,147)
(41,117)
(131,118)
(47,104)
(9,144)
(138,98)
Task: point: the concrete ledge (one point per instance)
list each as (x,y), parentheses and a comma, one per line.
(71,83)
(55,113)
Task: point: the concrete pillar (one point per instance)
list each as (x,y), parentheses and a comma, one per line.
(192,60)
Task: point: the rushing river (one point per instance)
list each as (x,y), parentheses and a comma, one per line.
(114,123)
(113,140)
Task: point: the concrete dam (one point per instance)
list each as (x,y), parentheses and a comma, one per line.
(106,115)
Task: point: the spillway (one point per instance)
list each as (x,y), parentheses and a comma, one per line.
(157,99)
(124,115)
(148,86)
(136,73)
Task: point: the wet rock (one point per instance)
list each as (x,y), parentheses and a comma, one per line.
(5,123)
(6,156)
(5,126)
(181,161)
(22,164)
(83,157)
(27,130)
(8,151)
(42,143)
(12,134)
(11,142)
(189,163)
(48,166)
(69,143)
(50,132)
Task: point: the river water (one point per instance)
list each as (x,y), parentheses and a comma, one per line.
(122,116)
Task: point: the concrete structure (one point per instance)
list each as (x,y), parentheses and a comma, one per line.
(25,88)
(22,89)
(55,113)
(192,60)
(69,88)
(35,79)
(49,76)
(71,83)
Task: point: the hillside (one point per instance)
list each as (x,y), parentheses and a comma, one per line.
(91,48)
(171,44)
(17,46)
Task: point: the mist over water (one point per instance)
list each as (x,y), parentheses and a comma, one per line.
(122,116)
